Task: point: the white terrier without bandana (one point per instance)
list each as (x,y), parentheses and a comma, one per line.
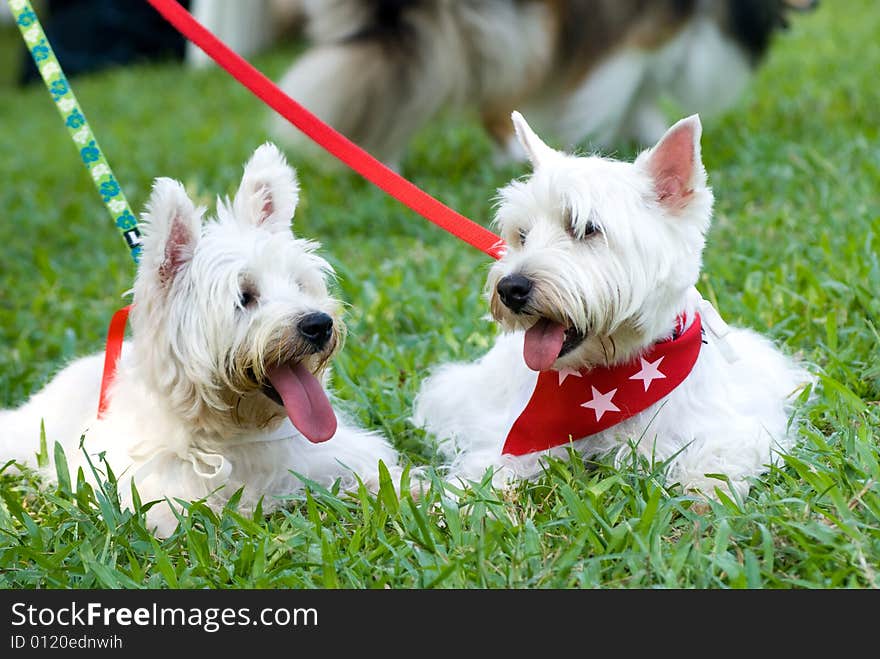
(607,343)
(220,386)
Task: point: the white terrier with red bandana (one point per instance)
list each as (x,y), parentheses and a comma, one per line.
(606,342)
(222,383)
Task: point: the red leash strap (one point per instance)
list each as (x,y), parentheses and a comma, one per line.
(328,138)
(115,334)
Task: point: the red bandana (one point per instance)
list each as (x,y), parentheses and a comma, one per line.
(568,405)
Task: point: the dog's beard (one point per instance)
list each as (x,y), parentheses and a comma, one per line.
(577,349)
(553,339)
(549,334)
(285,380)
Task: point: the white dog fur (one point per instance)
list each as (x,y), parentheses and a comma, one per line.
(613,250)
(217,305)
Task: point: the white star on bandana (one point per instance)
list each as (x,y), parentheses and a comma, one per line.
(650,372)
(565,372)
(601,403)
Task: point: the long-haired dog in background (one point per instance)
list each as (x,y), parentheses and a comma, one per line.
(378,70)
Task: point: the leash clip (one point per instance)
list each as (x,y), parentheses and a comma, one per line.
(714,324)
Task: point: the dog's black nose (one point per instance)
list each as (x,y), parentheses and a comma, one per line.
(514,291)
(316,328)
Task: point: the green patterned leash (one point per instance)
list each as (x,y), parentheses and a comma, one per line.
(91,154)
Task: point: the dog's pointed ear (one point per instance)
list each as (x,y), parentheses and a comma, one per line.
(172,226)
(269,191)
(537,151)
(675,163)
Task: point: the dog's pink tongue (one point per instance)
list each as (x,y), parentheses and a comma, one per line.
(305,401)
(544,340)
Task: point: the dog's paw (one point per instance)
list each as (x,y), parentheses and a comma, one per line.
(161,520)
(709,487)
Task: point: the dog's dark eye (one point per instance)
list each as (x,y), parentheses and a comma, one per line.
(247,298)
(571,226)
(522,236)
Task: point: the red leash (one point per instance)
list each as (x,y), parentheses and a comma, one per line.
(115,334)
(328,138)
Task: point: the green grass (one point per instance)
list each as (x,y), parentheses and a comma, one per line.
(793,253)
